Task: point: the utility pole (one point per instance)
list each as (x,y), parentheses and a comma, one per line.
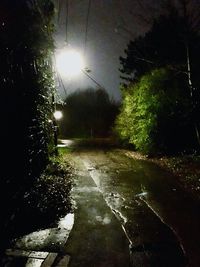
(189,69)
(55,126)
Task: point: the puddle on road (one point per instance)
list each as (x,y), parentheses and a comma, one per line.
(67,222)
(104,220)
(85,189)
(66,143)
(143,194)
(47,239)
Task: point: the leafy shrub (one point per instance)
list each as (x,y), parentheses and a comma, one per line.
(155,113)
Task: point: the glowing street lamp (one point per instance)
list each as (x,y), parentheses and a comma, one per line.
(58,115)
(69,63)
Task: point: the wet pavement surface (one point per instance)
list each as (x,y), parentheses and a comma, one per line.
(97,238)
(130,213)
(43,248)
(127,213)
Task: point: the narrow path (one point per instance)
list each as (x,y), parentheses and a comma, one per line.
(128,213)
(113,223)
(97,238)
(159,220)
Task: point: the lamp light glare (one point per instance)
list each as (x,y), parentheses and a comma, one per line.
(58,115)
(69,63)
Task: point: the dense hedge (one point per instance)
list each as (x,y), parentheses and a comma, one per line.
(27,85)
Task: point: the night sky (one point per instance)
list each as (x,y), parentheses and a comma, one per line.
(106,37)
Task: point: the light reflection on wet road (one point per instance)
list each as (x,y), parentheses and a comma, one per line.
(157,217)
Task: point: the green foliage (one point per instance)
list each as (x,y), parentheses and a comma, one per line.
(154,113)
(163,105)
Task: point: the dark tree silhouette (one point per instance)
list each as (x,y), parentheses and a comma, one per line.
(173,42)
(88,113)
(26,89)
(163,45)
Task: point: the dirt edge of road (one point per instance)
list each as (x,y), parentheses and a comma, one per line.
(185,168)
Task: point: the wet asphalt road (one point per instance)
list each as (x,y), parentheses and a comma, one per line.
(130,213)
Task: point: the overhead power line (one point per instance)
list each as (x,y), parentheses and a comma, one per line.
(92,79)
(59,10)
(87,24)
(62,84)
(66,22)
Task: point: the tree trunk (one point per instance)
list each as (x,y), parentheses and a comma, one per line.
(191,90)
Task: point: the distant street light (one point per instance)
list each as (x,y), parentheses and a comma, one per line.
(68,63)
(58,115)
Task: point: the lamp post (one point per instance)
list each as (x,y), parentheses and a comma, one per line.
(69,63)
(57,115)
